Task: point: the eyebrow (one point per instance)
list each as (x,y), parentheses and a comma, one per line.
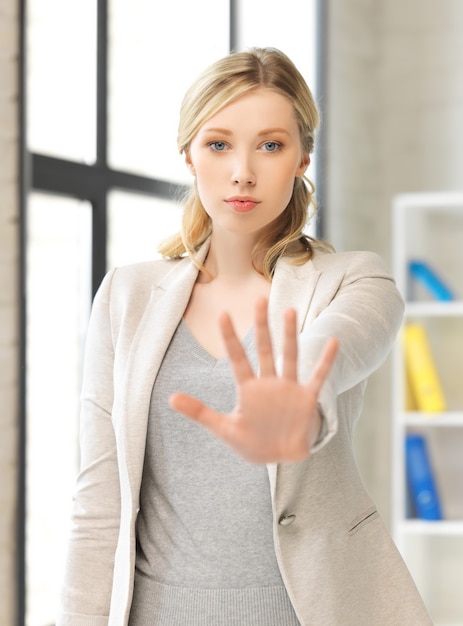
(222,131)
(269,131)
(266,131)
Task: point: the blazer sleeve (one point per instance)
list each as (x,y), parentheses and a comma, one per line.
(361,306)
(86,593)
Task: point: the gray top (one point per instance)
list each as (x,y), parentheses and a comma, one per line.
(205,552)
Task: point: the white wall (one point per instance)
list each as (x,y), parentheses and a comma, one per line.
(8,302)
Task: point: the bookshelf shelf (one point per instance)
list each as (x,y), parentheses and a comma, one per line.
(428,232)
(434,309)
(421,527)
(432,420)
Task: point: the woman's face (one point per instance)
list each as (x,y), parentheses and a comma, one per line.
(245,159)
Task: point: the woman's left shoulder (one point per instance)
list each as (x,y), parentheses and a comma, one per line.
(348,262)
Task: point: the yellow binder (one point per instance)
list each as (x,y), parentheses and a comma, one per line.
(421,370)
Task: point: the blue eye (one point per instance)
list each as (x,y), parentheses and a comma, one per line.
(271,146)
(218,146)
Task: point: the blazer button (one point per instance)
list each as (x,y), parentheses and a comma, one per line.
(287,520)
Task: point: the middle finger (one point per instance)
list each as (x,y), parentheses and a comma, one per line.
(290,346)
(263,340)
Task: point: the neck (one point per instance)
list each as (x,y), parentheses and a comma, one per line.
(230,258)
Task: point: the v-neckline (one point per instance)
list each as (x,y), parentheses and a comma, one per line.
(201,351)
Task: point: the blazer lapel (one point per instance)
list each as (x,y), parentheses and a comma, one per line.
(161,317)
(293,286)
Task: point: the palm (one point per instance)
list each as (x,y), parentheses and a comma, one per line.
(275,417)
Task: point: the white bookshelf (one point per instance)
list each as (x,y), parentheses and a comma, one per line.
(429,227)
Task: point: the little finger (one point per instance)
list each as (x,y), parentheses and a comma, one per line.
(323,366)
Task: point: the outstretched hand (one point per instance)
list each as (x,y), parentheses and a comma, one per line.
(275,418)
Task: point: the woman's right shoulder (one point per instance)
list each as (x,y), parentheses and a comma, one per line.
(145,271)
(137,280)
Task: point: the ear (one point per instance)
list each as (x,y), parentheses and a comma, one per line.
(189,163)
(305,162)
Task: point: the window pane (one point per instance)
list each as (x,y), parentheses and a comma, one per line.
(61,78)
(156,51)
(58,302)
(137,224)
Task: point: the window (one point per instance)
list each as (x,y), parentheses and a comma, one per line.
(58,292)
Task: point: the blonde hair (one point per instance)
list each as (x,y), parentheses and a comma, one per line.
(220,84)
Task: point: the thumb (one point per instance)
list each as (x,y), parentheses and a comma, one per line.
(196,410)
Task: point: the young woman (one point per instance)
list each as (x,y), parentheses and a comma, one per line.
(251,512)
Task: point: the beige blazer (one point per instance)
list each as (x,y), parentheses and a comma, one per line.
(336,558)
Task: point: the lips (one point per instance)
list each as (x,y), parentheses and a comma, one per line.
(242,204)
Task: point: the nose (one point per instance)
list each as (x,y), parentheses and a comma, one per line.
(243,171)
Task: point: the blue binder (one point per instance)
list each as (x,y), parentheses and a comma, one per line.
(423,273)
(421,483)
